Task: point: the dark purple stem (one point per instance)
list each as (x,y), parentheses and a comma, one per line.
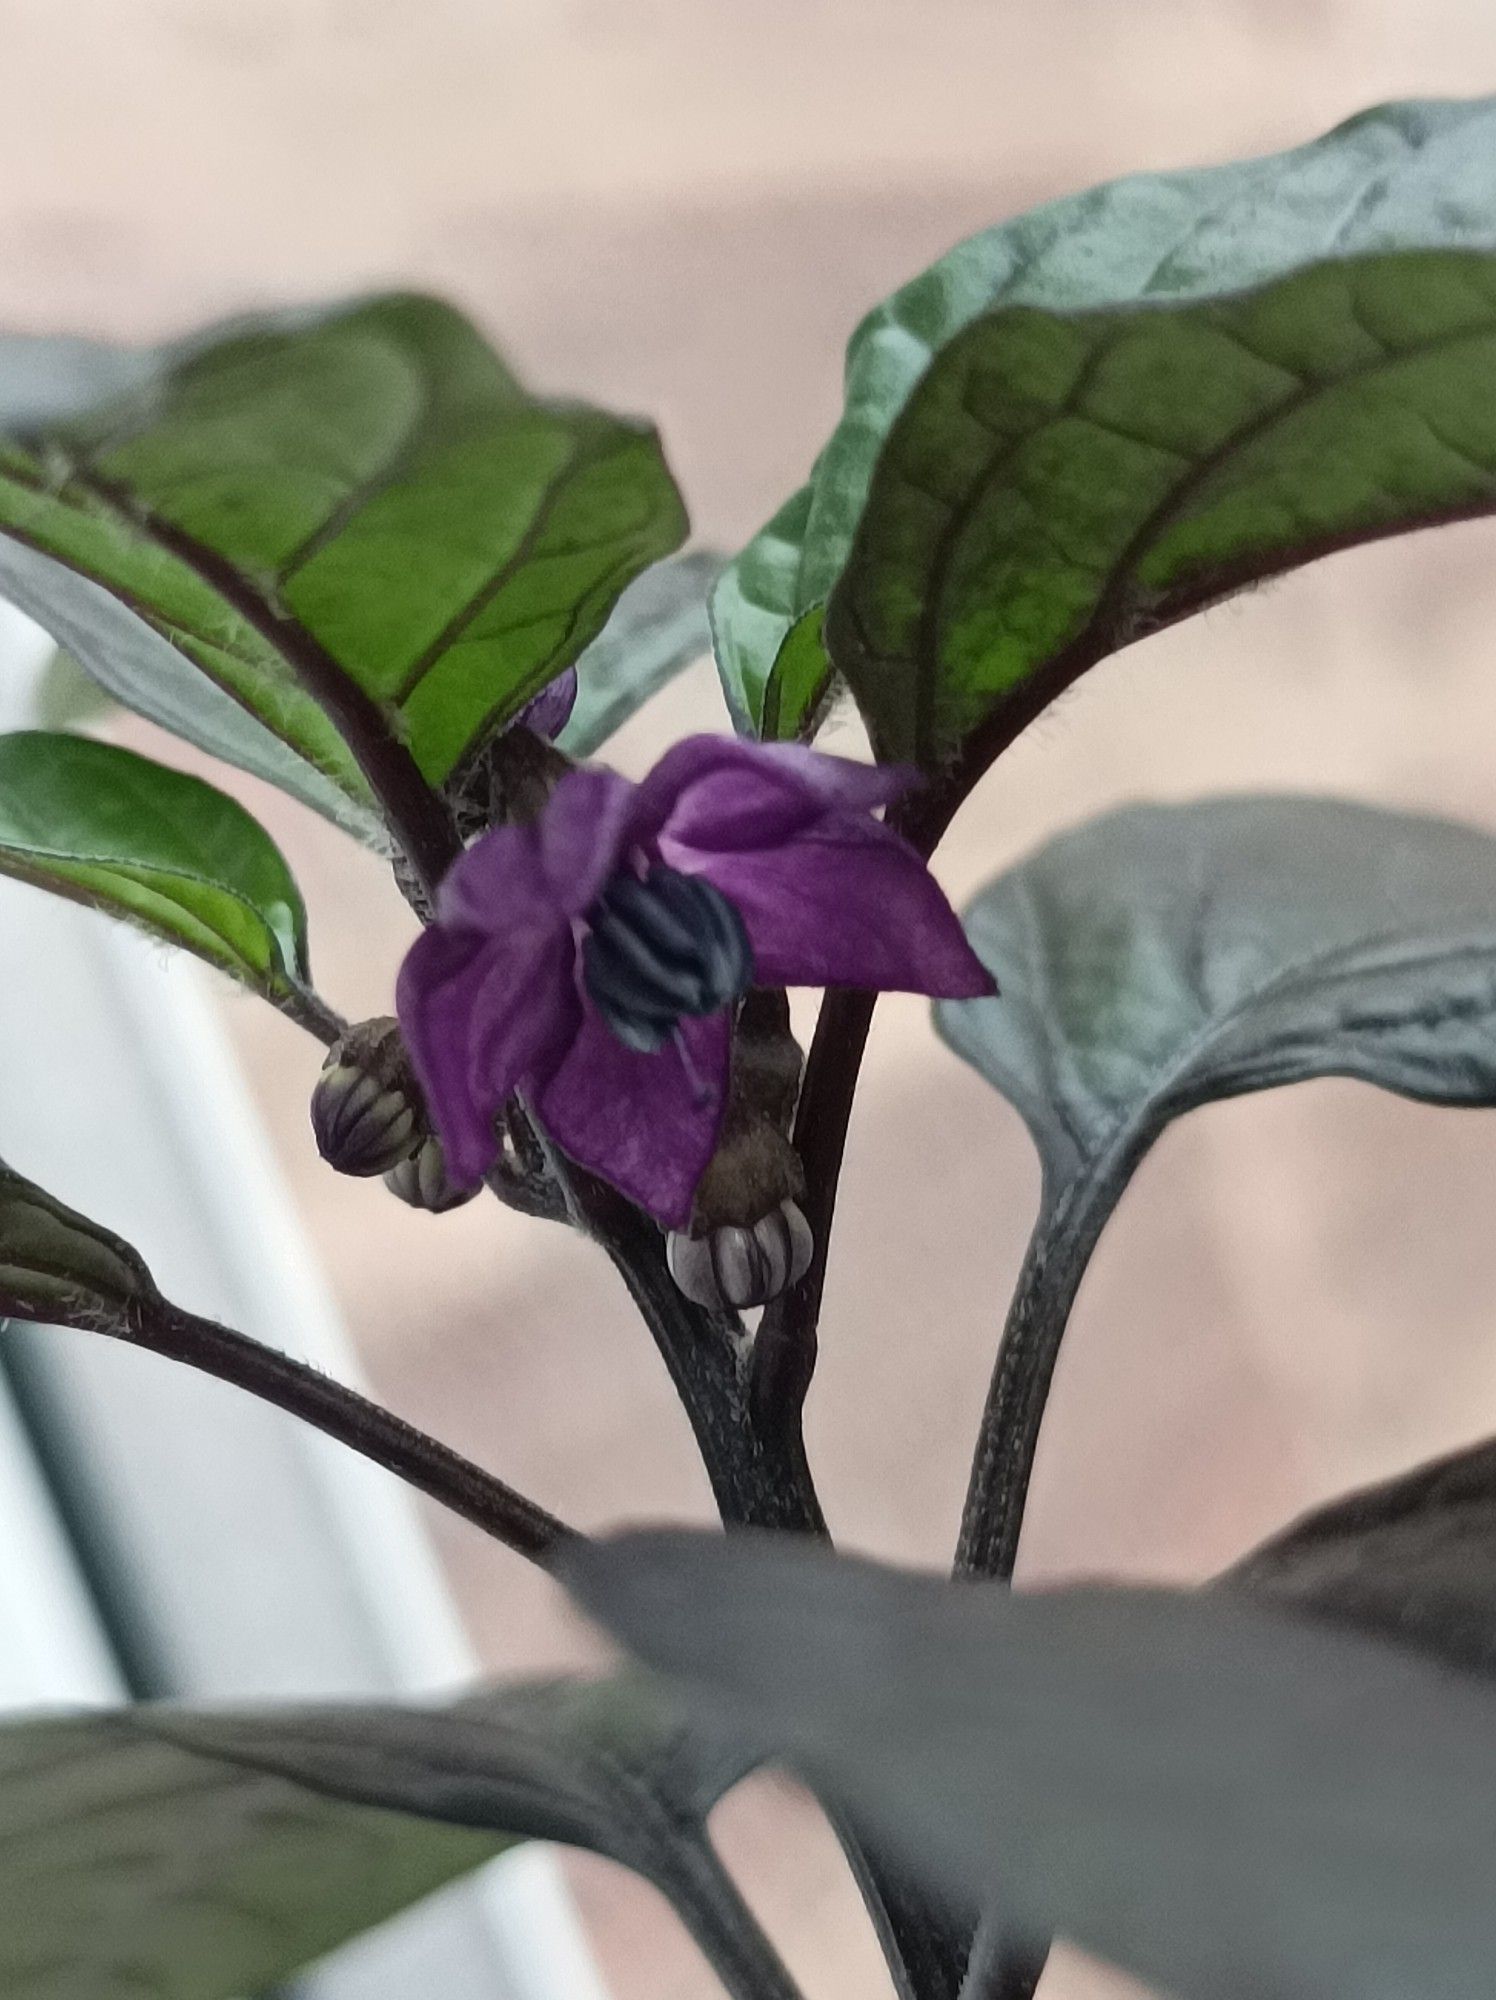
(757,1479)
(342,1413)
(785,1352)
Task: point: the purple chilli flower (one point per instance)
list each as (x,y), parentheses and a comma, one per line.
(591,959)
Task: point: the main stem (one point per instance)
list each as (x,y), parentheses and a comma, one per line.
(785,1351)
(925,1950)
(759,1475)
(760,1479)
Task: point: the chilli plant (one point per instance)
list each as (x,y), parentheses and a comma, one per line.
(348,551)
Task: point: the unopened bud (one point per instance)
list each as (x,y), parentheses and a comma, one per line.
(743,1266)
(422,1182)
(366,1107)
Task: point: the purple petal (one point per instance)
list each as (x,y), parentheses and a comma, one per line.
(526,877)
(645,1123)
(848,904)
(548,712)
(585,832)
(481,1015)
(717,793)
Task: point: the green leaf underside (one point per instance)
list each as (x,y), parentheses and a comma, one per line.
(757,599)
(139,666)
(1065,486)
(1221,1799)
(1406,176)
(800,686)
(1162,957)
(658,627)
(166,851)
(69,698)
(198,1855)
(56,1264)
(378,477)
(133,1866)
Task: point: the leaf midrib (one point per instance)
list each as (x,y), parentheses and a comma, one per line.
(414,810)
(555,1773)
(1167,513)
(277,979)
(1165,1079)
(364,491)
(1094,638)
(172,630)
(579,456)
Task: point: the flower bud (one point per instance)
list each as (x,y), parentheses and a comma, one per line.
(743,1266)
(366,1107)
(421,1181)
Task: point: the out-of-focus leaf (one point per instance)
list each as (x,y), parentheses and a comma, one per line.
(658,627)
(1405,176)
(46,378)
(355,525)
(132,1863)
(1162,957)
(1221,1799)
(57,1265)
(1412,1558)
(552,1759)
(200,1855)
(98,824)
(68,698)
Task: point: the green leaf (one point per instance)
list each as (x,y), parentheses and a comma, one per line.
(200,1855)
(1412,1559)
(1221,1799)
(57,1265)
(1162,957)
(165,851)
(1058,487)
(800,687)
(1409,176)
(162,679)
(357,527)
(69,698)
(658,627)
(555,1760)
(133,1863)
(45,377)
(758,597)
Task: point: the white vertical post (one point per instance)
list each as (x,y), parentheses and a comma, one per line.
(56,1651)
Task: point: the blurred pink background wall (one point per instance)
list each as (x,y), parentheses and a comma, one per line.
(681,207)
